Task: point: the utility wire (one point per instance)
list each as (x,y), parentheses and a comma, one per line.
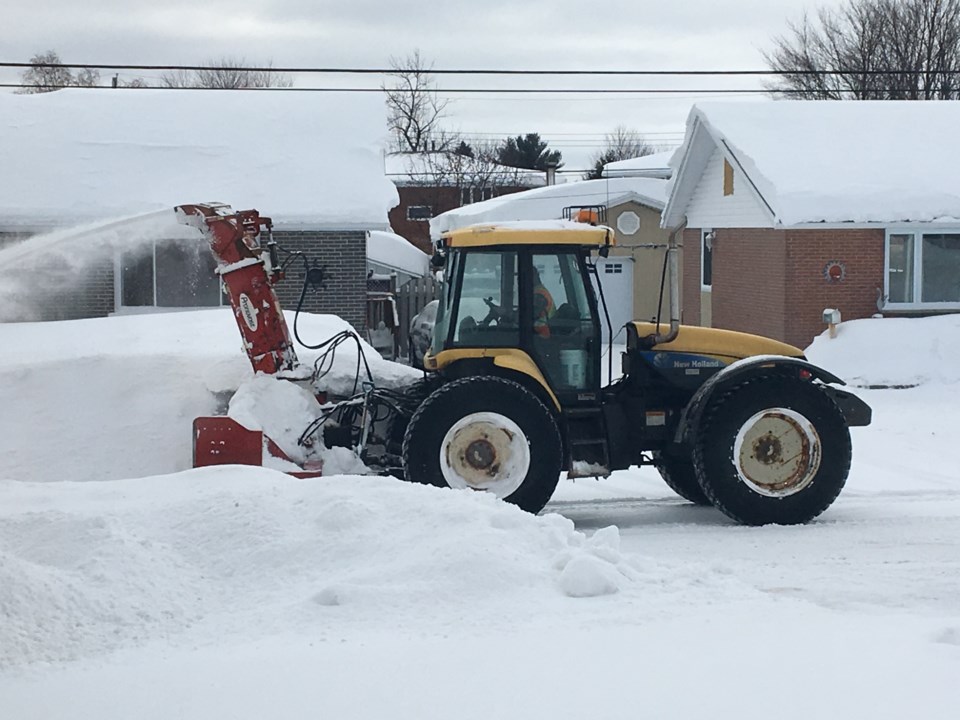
(487,71)
(479,91)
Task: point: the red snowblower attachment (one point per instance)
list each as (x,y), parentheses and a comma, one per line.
(249,269)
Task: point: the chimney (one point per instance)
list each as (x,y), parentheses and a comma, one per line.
(551,173)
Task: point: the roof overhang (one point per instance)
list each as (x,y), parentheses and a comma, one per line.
(559,233)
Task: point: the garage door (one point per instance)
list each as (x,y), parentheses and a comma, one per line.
(616,274)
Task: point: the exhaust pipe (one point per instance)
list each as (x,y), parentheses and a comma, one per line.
(673,268)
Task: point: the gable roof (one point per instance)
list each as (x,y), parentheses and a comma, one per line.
(829,161)
(307,159)
(547,203)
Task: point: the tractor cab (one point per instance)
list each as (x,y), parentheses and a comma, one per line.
(519,297)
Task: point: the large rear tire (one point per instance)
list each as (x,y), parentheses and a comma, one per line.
(772,450)
(678,473)
(485,433)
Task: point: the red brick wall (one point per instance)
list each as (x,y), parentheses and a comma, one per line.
(773,283)
(690,277)
(440,199)
(808,290)
(749,274)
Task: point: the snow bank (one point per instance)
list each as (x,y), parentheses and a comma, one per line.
(115,397)
(889,352)
(95,567)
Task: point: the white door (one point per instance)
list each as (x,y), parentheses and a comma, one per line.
(616,274)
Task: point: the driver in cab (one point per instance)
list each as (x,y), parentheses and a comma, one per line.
(543,307)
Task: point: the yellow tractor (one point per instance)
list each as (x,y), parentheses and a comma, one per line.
(514,396)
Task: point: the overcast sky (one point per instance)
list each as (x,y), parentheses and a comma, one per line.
(497,34)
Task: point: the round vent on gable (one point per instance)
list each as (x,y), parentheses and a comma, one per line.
(628,223)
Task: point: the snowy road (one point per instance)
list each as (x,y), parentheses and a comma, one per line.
(890,550)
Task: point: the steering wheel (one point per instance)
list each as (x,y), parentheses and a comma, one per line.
(497,314)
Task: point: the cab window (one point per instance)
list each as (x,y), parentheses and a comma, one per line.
(487,312)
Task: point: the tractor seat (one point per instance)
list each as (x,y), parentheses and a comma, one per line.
(565,321)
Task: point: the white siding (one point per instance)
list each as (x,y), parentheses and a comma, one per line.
(709,208)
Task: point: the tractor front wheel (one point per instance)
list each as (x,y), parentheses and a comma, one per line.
(772,449)
(485,433)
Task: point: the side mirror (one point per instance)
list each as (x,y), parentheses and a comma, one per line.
(438,261)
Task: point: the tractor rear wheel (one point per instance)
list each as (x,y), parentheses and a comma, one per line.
(485,433)
(772,449)
(678,473)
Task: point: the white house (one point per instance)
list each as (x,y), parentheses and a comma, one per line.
(794,207)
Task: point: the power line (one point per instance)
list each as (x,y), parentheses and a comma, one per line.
(459,91)
(485,71)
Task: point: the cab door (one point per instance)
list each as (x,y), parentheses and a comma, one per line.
(562,323)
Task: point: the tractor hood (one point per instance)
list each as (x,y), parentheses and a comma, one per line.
(724,345)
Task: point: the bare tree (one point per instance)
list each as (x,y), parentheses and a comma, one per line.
(414,109)
(227,74)
(47,73)
(872,49)
(621,144)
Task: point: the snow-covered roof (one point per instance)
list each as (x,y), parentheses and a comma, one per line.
(312,159)
(829,161)
(547,203)
(396,252)
(656,165)
(437,168)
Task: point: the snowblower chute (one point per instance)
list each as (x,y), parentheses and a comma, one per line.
(249,270)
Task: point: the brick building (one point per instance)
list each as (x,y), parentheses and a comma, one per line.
(430,184)
(786,209)
(82,157)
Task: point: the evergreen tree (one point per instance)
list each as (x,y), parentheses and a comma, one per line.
(527,151)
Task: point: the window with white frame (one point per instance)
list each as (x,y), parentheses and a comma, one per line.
(170,273)
(419,212)
(922,268)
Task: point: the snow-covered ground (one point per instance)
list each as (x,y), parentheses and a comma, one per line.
(132,587)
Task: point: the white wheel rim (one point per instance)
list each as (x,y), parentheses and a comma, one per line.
(485,451)
(777,452)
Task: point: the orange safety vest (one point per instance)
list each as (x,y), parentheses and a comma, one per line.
(544,311)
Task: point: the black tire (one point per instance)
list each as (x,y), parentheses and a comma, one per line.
(800,499)
(678,473)
(444,408)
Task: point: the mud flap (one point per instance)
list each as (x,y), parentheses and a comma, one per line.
(855,411)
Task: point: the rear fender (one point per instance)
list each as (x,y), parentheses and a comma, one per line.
(737,372)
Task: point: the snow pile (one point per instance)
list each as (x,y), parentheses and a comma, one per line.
(115,397)
(892,352)
(282,410)
(90,568)
(78,155)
